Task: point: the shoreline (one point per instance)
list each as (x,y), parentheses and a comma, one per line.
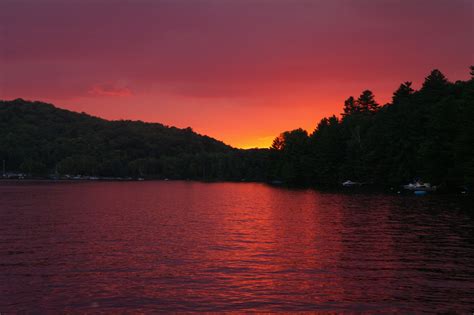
(366,189)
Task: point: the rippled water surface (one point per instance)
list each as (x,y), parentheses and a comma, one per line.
(184,246)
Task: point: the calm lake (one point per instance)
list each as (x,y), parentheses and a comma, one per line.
(189,246)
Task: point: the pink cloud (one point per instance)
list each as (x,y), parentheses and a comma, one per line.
(109,90)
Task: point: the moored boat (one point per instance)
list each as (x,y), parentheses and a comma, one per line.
(419,186)
(349,183)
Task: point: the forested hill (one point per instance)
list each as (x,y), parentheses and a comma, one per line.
(426,134)
(39,139)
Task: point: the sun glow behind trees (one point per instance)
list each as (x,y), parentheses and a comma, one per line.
(426,133)
(239,71)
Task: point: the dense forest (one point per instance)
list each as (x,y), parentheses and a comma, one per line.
(426,134)
(39,139)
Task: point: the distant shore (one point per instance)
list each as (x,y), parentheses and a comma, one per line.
(369,189)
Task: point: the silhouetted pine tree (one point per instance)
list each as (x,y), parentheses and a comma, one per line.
(403,92)
(366,102)
(350,106)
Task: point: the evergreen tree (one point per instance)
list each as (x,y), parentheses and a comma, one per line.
(435,81)
(366,102)
(350,106)
(403,92)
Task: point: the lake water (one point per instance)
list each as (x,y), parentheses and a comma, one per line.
(188,246)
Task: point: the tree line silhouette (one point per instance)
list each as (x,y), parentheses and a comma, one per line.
(40,140)
(425,134)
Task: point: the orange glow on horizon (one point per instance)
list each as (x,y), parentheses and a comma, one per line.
(238,75)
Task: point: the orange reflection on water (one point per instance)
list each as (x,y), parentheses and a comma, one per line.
(148,246)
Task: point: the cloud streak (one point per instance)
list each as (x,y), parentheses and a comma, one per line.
(109,90)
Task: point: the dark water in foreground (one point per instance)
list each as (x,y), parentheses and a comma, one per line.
(162,246)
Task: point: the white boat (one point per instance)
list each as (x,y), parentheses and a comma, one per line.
(419,186)
(349,183)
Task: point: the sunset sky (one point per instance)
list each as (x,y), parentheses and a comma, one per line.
(241,71)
